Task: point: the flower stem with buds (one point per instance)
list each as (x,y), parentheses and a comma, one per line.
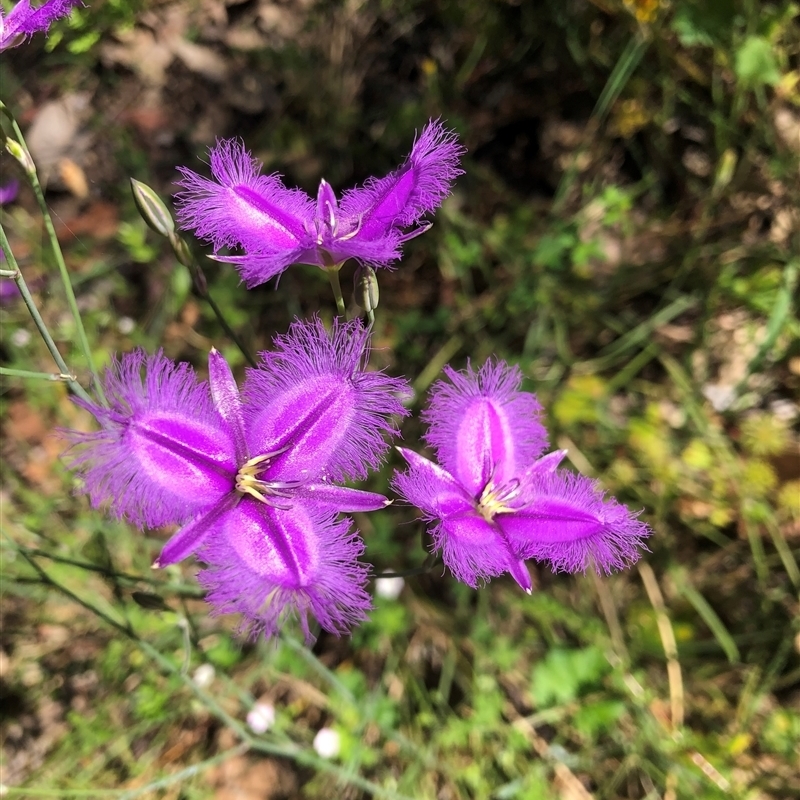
(30,171)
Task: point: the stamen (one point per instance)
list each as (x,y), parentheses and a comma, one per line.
(249,483)
(497,500)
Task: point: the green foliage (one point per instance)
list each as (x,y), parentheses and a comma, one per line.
(756,64)
(562,674)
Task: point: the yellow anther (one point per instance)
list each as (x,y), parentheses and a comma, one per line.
(494,500)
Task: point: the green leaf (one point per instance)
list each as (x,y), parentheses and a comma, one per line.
(593,719)
(755,63)
(563,673)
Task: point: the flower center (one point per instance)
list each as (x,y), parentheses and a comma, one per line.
(496,500)
(248,481)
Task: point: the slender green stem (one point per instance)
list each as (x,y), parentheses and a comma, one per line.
(318,667)
(44,376)
(202,289)
(38,321)
(333,277)
(177,588)
(59,257)
(285,750)
(8,273)
(188,772)
(430,563)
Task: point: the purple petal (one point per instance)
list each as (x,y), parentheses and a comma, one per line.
(545,464)
(418,186)
(519,571)
(327,210)
(9,192)
(163,454)
(567,521)
(195,533)
(9,291)
(270,564)
(377,252)
(225,395)
(473,549)
(482,427)
(23,20)
(341,498)
(243,208)
(430,488)
(314,394)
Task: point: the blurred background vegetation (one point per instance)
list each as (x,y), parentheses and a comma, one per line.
(626,231)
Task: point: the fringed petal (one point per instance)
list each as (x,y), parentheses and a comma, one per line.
(314,399)
(163,453)
(482,427)
(24,20)
(270,565)
(472,548)
(418,186)
(243,208)
(567,521)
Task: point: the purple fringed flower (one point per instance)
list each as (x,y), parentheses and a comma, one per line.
(252,478)
(23,20)
(494,500)
(277,227)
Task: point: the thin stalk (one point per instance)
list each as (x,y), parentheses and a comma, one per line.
(288,750)
(430,562)
(201,286)
(59,257)
(10,372)
(177,588)
(75,387)
(333,277)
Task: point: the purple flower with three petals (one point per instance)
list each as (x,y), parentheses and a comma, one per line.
(23,20)
(277,227)
(494,500)
(253,478)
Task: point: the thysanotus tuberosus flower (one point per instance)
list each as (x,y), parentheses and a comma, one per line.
(276,227)
(24,20)
(494,500)
(251,477)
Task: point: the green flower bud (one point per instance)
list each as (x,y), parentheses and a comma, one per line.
(152,208)
(18,152)
(365,288)
(182,251)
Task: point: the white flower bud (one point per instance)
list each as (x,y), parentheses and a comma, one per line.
(389,588)
(261,718)
(327,743)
